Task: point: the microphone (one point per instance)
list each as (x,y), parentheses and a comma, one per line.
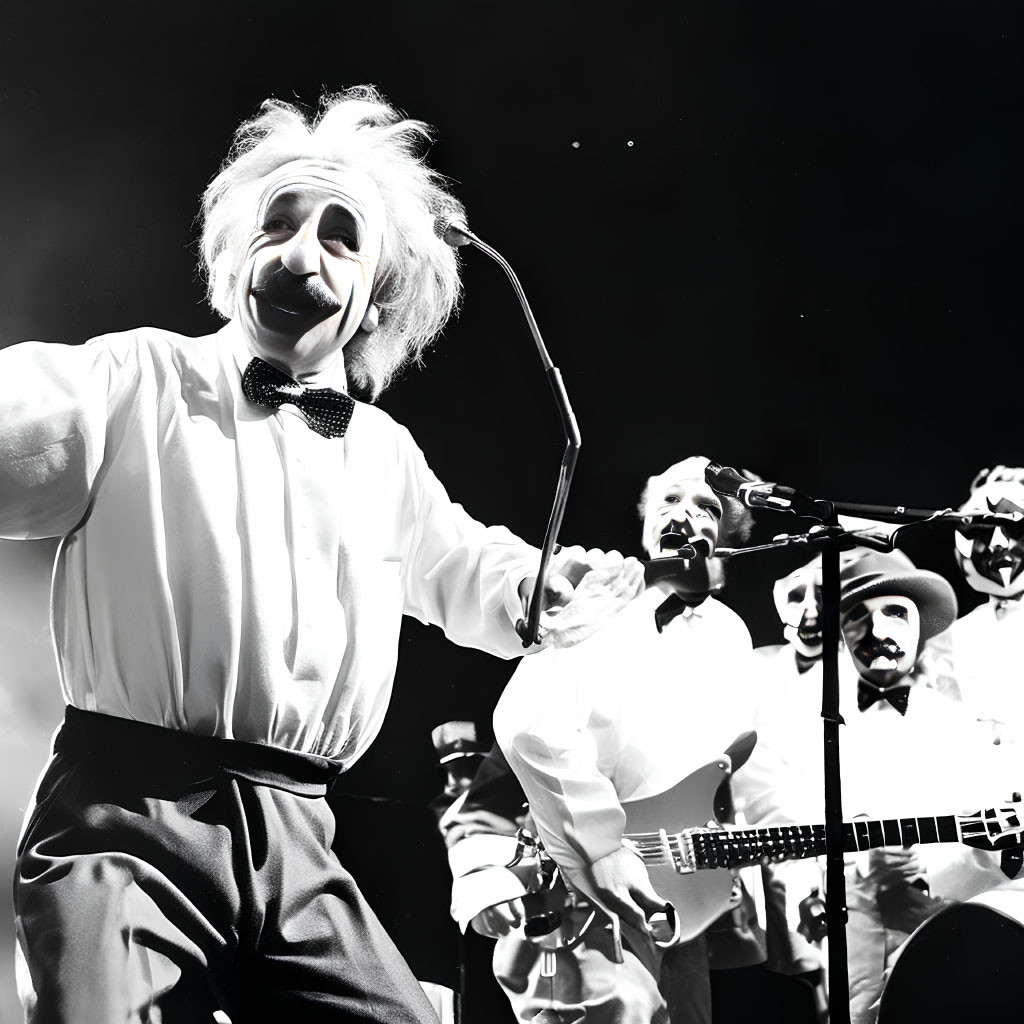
(760,494)
(451,228)
(757,493)
(683,548)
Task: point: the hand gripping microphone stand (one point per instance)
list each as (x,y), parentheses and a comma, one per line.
(830,539)
(452,229)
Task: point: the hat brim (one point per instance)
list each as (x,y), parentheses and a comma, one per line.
(934,597)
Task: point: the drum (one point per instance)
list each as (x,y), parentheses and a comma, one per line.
(962,964)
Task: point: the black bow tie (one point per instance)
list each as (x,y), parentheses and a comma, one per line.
(673,605)
(868,694)
(327,411)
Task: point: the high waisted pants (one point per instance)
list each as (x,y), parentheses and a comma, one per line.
(166,877)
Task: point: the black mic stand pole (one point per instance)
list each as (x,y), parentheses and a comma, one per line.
(835,866)
(830,538)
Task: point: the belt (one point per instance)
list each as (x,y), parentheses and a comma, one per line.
(155,754)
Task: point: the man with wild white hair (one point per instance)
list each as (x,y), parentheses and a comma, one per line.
(240,541)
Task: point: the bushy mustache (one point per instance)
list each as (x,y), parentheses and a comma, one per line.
(875,648)
(280,287)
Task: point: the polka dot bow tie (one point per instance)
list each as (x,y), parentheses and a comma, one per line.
(327,411)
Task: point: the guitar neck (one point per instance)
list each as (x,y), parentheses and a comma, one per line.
(738,847)
(729,848)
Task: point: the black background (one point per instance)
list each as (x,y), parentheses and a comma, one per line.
(788,238)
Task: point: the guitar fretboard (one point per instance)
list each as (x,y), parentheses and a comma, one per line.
(733,848)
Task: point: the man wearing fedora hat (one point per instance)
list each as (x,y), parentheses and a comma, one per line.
(907,750)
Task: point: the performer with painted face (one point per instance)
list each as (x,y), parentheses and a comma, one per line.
(987,644)
(240,541)
(798,602)
(662,689)
(907,750)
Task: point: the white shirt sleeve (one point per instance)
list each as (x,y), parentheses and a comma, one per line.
(463,576)
(546,723)
(53,415)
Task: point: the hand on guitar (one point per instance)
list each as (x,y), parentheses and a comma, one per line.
(499,920)
(620,881)
(892,865)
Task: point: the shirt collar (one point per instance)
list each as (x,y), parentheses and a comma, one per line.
(242,355)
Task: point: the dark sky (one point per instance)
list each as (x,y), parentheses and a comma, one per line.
(787,238)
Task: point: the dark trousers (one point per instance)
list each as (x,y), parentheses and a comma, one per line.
(162,876)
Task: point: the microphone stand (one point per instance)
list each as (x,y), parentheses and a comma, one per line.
(830,539)
(835,863)
(529,631)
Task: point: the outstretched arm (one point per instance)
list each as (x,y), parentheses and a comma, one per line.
(473,580)
(53,415)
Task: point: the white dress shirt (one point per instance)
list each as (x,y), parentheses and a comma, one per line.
(624,715)
(932,761)
(224,569)
(987,654)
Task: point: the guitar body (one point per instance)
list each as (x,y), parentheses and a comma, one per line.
(682,844)
(699,897)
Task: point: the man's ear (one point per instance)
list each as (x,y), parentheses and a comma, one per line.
(371,318)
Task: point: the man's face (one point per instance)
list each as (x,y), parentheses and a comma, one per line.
(309,265)
(882,635)
(992,559)
(798,602)
(681,508)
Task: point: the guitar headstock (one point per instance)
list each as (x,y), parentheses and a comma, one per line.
(995,828)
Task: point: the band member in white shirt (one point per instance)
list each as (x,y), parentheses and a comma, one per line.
(908,750)
(985,647)
(240,539)
(665,687)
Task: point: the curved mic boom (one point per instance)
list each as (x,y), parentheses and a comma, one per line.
(451,228)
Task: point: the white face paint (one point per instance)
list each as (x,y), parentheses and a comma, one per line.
(882,634)
(798,602)
(309,266)
(680,508)
(992,559)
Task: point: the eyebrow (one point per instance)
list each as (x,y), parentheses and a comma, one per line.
(336,200)
(707,496)
(352,218)
(339,208)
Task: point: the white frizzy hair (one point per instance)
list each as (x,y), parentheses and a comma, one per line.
(417,286)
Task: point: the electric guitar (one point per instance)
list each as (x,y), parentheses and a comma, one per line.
(690,857)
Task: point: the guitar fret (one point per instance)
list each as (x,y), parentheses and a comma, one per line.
(849,837)
(863,840)
(875,834)
(908,832)
(891,831)
(929,830)
(947,829)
